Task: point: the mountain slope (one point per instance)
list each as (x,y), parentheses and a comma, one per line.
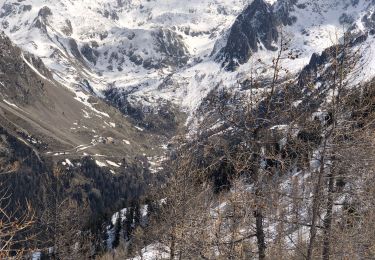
(155,52)
(48,135)
(124,44)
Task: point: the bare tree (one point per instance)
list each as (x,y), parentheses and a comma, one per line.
(15,238)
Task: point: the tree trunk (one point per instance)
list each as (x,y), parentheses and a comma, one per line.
(327,222)
(316,204)
(172,247)
(260,234)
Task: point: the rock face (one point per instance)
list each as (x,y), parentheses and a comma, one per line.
(172,46)
(369,22)
(282,10)
(255,27)
(163,120)
(14,72)
(167,50)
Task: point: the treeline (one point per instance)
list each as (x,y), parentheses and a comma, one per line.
(58,208)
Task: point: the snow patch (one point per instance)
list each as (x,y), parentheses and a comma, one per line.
(10,104)
(100,164)
(112,163)
(138,128)
(33,68)
(83,98)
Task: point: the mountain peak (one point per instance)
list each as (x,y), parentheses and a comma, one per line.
(255,28)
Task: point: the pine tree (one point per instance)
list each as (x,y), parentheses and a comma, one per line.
(116,240)
(128,224)
(137,215)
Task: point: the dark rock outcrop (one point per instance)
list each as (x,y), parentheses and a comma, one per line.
(369,22)
(68,29)
(41,20)
(172,47)
(19,81)
(6,10)
(282,10)
(163,120)
(45,12)
(89,53)
(256,26)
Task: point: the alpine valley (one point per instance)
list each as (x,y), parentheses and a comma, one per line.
(187,129)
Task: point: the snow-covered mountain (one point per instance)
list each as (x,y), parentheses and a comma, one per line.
(131,45)
(146,53)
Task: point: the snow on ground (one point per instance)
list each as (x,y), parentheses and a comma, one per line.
(33,68)
(68,162)
(100,164)
(138,128)
(83,98)
(366,68)
(156,163)
(86,114)
(10,104)
(36,256)
(153,252)
(112,164)
(106,163)
(84,147)
(60,153)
